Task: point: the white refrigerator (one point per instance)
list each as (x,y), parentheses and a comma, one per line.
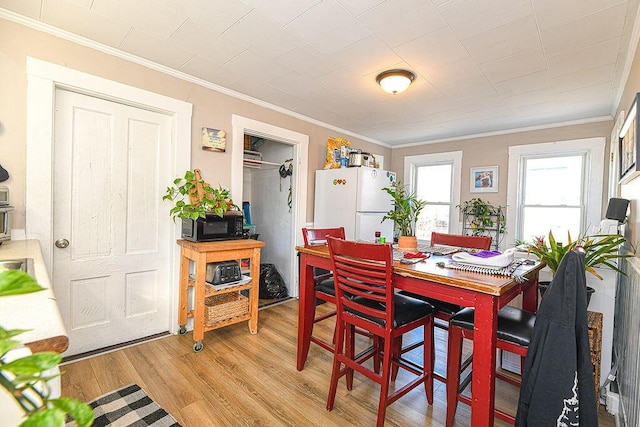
(354,199)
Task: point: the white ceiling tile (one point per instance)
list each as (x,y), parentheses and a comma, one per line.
(515,66)
(399,21)
(432,49)
(583,79)
(583,59)
(308,61)
(506,40)
(194,37)
(211,71)
(282,11)
(584,31)
(154,17)
(551,13)
(469,18)
(80,20)
(29,8)
(524,84)
(155,50)
(259,33)
(252,64)
(357,7)
(214,15)
(328,27)
(367,55)
(535,97)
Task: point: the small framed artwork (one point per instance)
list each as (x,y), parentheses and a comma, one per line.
(214,140)
(484,179)
(629,152)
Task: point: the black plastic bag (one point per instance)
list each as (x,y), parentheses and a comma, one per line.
(271,283)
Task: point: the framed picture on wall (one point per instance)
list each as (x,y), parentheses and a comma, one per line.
(484,179)
(629,152)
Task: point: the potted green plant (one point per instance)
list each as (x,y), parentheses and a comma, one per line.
(193,197)
(23,378)
(600,251)
(407,208)
(484,219)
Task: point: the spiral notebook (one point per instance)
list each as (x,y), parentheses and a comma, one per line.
(475,268)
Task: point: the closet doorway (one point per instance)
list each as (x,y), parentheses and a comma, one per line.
(276,190)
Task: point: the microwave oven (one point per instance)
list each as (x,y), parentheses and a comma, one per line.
(5,226)
(213,227)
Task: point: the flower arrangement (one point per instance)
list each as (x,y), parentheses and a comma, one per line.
(600,250)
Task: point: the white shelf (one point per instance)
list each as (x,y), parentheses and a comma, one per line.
(260,164)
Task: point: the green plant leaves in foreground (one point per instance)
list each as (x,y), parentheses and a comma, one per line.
(16,282)
(56,416)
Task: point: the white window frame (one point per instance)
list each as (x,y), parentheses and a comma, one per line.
(592,148)
(411,163)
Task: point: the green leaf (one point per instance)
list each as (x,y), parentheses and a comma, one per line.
(33,364)
(8,333)
(51,417)
(15,282)
(6,345)
(79,411)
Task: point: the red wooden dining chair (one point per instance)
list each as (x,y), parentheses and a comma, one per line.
(365,298)
(444,310)
(515,327)
(323,283)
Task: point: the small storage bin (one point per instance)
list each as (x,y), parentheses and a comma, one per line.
(224,306)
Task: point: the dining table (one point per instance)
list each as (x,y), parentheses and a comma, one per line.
(435,277)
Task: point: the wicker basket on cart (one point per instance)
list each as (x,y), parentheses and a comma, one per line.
(225,306)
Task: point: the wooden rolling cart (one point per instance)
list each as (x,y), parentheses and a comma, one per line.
(216,308)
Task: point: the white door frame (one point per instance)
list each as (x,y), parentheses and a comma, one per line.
(300,143)
(42,80)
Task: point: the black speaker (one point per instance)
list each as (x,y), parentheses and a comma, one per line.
(617,209)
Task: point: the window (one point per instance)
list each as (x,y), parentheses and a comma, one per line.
(435,178)
(555,187)
(547,205)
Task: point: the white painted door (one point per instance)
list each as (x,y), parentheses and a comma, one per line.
(111,164)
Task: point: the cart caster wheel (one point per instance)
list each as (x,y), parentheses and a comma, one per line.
(197,347)
(182,330)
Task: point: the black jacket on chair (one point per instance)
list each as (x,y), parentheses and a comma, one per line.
(558,388)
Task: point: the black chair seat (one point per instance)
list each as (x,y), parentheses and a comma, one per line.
(514,325)
(438,305)
(407,310)
(326,286)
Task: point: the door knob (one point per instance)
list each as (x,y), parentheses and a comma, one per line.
(62,243)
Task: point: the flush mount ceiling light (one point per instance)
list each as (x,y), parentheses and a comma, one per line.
(395,81)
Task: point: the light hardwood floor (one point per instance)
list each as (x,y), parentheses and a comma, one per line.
(240,379)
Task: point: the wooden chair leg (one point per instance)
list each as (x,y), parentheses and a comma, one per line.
(454,356)
(384,386)
(351,353)
(428,360)
(335,371)
(397,345)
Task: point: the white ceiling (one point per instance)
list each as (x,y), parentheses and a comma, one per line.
(482,65)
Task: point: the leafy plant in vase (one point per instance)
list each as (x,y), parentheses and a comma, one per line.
(24,378)
(484,219)
(407,208)
(193,198)
(600,251)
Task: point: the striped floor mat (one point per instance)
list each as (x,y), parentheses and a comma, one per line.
(129,406)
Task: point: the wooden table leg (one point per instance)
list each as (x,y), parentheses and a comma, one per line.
(255,289)
(184,291)
(198,311)
(305,311)
(530,295)
(484,361)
